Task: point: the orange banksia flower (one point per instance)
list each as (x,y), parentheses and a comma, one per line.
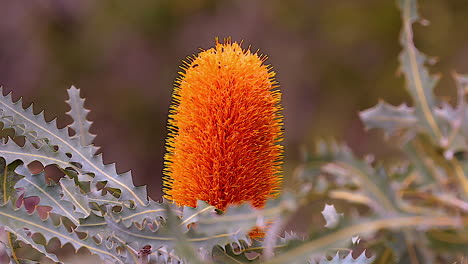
(225,127)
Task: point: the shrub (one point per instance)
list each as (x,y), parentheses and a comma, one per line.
(414,210)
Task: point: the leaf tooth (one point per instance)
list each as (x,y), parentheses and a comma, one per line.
(8,95)
(110,167)
(127,174)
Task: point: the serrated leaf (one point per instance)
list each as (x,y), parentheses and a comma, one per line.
(182,247)
(152,211)
(420,84)
(164,256)
(96,224)
(390,118)
(72,194)
(38,131)
(347,229)
(228,255)
(163,236)
(348,259)
(17,219)
(236,217)
(78,113)
(373,182)
(28,153)
(49,193)
(454,121)
(231,227)
(425,160)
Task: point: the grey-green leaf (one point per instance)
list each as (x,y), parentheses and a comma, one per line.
(78,113)
(15,220)
(38,131)
(72,194)
(362,259)
(48,193)
(420,84)
(390,118)
(454,120)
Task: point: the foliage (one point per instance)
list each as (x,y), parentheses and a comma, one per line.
(412,211)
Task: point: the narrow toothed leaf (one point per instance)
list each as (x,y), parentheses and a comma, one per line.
(94,225)
(78,113)
(38,131)
(350,169)
(48,193)
(72,194)
(389,118)
(163,236)
(152,212)
(420,84)
(454,120)
(16,220)
(201,226)
(348,259)
(10,151)
(237,218)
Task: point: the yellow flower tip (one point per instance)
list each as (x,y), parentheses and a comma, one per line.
(225,126)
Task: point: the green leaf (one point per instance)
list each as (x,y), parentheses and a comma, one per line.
(390,118)
(40,132)
(78,113)
(16,220)
(420,84)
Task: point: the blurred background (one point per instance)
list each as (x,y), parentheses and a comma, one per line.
(332,58)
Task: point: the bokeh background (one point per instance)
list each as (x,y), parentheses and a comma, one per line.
(332,58)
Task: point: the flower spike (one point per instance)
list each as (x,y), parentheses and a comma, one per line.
(225,126)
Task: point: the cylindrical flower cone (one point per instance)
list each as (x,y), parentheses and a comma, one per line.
(225,128)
